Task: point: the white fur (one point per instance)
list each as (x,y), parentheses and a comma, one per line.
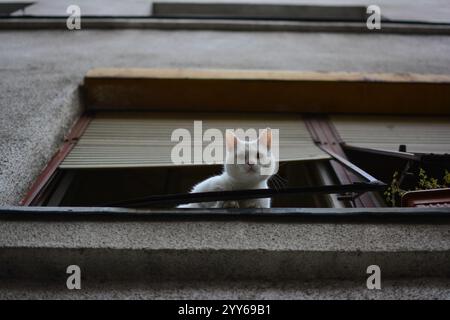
(239,176)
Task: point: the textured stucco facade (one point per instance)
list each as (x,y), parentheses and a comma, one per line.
(41,71)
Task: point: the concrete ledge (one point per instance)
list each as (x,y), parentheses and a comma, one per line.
(133,248)
(385,214)
(423,288)
(49,265)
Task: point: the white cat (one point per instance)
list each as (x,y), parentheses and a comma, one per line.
(242,174)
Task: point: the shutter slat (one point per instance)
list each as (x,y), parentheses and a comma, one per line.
(419,134)
(144,139)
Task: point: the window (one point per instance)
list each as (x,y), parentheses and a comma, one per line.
(120,149)
(123,156)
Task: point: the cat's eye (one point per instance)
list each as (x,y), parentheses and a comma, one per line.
(257,155)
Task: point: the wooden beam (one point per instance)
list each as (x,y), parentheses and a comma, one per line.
(324,134)
(266,91)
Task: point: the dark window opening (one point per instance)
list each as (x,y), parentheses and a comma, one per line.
(409,173)
(97,187)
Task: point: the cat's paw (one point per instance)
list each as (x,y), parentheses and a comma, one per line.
(230,204)
(255,204)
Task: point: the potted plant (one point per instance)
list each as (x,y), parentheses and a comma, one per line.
(423,189)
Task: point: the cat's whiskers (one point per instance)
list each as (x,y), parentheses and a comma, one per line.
(273,183)
(278,181)
(281,178)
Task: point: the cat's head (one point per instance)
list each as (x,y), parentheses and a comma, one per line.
(250,161)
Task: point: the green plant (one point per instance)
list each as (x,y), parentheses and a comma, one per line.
(447,178)
(425,182)
(394,192)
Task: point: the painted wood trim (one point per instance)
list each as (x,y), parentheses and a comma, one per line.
(281,75)
(266,91)
(50,169)
(324,134)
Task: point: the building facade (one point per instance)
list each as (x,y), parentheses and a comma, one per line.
(305,248)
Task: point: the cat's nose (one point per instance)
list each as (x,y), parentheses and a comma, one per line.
(250,167)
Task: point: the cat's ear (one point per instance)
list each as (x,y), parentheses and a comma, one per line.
(230,140)
(266,138)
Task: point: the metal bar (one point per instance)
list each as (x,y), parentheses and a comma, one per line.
(327,178)
(351,166)
(60,192)
(182,198)
(410,214)
(396,154)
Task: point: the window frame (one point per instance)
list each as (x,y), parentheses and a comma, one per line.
(43,188)
(322,93)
